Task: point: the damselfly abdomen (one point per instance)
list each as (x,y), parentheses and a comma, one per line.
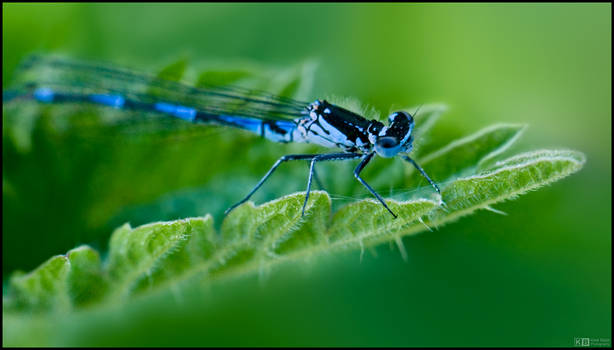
(279,119)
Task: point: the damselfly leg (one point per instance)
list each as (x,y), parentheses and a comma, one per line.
(314,159)
(366,158)
(422,172)
(325,157)
(266,176)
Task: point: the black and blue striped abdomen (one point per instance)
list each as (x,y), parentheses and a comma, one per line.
(274,130)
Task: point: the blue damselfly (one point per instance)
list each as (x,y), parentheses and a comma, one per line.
(276,118)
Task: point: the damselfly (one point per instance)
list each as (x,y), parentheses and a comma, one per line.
(276,118)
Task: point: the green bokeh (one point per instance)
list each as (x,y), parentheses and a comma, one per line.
(540,276)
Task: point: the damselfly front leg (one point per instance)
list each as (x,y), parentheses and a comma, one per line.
(422,172)
(366,158)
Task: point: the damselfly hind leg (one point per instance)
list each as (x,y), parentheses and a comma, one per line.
(325,157)
(266,176)
(366,158)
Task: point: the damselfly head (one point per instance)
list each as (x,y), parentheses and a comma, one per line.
(396,137)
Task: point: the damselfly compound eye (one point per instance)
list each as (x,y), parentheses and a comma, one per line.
(387,146)
(387,142)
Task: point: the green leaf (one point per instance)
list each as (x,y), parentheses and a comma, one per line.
(512,177)
(144,256)
(86,280)
(174,71)
(44,289)
(191,253)
(253,238)
(509,179)
(360,223)
(463,156)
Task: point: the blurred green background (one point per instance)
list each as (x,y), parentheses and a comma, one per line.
(540,276)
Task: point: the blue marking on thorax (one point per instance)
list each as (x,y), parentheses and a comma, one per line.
(115,101)
(44,95)
(178,111)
